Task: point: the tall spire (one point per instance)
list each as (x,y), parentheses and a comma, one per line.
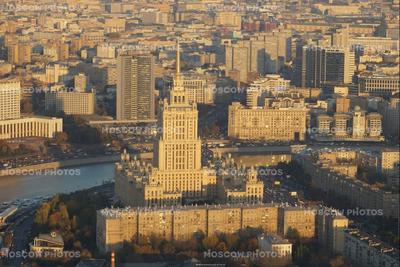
(178,60)
(178,94)
(178,85)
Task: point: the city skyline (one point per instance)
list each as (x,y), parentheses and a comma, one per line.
(199,133)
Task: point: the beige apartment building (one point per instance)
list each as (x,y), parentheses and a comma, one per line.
(269,83)
(116,226)
(390,162)
(71,103)
(10,97)
(379,84)
(19,53)
(81,82)
(289,218)
(358,193)
(284,124)
(330,226)
(199,90)
(365,250)
(357,125)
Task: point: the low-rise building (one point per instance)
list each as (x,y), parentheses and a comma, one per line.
(365,250)
(281,248)
(30,127)
(48,245)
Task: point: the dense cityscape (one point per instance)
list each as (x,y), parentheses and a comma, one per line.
(190,133)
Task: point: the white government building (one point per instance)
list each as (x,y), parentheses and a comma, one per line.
(12,125)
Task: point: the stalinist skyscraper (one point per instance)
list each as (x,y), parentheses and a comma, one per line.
(179,147)
(177,175)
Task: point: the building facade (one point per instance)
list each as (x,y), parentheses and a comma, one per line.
(365,250)
(177,174)
(70,103)
(30,127)
(116,226)
(289,218)
(284,124)
(325,65)
(135,87)
(10,97)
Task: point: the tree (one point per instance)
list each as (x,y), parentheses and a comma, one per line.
(210,242)
(55,220)
(26,105)
(231,241)
(74,223)
(221,246)
(167,248)
(293,234)
(60,138)
(337,261)
(42,214)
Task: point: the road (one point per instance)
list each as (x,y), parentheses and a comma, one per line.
(21,226)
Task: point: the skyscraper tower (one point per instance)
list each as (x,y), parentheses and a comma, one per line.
(179,147)
(176,176)
(135,87)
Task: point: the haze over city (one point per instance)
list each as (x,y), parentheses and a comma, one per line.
(190,133)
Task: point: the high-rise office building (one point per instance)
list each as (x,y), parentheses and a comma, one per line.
(325,65)
(237,58)
(135,87)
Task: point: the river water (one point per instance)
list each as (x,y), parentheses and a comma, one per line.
(47,183)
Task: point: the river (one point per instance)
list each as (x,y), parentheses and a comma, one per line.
(64,181)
